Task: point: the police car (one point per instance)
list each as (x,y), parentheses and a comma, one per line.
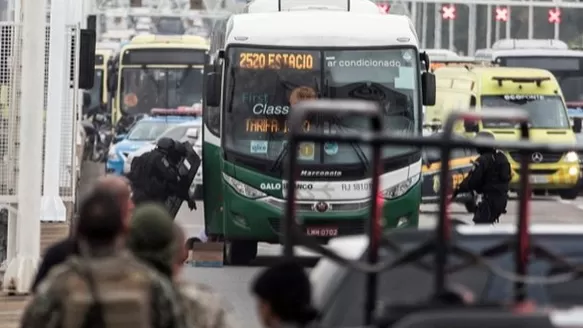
(144,132)
(187,131)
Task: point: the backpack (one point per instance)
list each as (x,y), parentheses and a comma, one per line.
(138,169)
(112,292)
(503,167)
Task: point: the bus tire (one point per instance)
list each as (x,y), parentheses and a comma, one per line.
(240,252)
(569,194)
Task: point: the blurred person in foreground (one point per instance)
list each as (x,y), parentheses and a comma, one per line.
(284,296)
(60,251)
(158,241)
(105,285)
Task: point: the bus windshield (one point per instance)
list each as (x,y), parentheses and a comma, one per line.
(546,112)
(263,85)
(96,92)
(567,70)
(149,87)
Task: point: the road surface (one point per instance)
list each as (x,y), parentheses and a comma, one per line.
(233,282)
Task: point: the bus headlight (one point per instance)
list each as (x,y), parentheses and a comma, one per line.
(112,154)
(243,189)
(572,157)
(401,188)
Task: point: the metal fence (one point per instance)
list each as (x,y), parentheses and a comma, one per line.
(10,86)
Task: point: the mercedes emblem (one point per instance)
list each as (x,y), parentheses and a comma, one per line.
(537,157)
(321,207)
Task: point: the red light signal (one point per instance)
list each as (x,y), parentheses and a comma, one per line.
(555,16)
(384,7)
(502,14)
(448,12)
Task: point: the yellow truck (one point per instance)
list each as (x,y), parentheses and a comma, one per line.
(534,90)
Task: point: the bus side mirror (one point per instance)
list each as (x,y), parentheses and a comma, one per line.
(213,89)
(577,125)
(428,87)
(471,127)
(87,59)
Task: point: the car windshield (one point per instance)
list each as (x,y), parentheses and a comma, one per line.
(177,132)
(264,84)
(546,112)
(148,130)
(147,88)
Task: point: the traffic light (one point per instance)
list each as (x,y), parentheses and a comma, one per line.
(555,16)
(384,7)
(448,12)
(502,14)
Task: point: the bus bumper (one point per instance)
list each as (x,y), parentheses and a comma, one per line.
(261,220)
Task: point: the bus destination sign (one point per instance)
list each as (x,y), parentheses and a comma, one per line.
(164,56)
(255,59)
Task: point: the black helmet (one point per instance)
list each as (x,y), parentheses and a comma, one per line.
(165,144)
(486,136)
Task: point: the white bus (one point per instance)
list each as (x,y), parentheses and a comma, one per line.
(268,62)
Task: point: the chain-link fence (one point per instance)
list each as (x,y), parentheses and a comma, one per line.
(10,75)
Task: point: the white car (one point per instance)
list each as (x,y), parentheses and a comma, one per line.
(187,131)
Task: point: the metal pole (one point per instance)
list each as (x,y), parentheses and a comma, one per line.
(508,24)
(22,268)
(52,206)
(424,25)
(414,15)
(530,22)
(557,26)
(451,35)
(489,27)
(472,30)
(438,27)
(497,31)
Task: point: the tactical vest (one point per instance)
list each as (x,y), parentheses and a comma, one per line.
(121,294)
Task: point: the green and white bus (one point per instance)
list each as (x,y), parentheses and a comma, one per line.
(271,61)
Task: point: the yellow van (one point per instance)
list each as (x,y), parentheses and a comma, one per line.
(535,90)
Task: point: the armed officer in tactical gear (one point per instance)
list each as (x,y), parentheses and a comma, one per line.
(490,177)
(154,175)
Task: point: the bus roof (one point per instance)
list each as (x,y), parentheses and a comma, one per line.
(263,6)
(322,29)
(147,39)
(439,54)
(493,54)
(506,44)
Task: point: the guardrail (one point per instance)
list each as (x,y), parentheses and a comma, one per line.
(440,245)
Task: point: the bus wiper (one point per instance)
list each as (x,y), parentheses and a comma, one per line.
(277,163)
(355,146)
(148,73)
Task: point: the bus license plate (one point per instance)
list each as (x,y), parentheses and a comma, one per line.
(538,179)
(322,232)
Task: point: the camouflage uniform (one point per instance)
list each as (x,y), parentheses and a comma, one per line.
(52,307)
(204,307)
